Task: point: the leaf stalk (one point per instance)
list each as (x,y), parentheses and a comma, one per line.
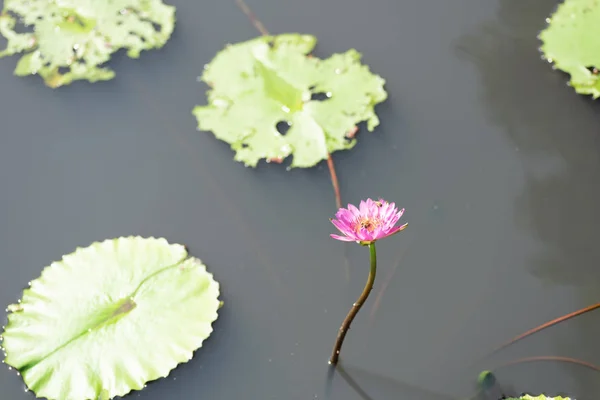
(264,32)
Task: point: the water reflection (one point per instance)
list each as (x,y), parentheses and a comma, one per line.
(370,386)
(366,384)
(555,133)
(552,129)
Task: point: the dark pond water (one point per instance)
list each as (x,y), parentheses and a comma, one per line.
(495,159)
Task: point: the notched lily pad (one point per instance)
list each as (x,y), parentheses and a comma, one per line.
(571,41)
(270,99)
(109,318)
(70,40)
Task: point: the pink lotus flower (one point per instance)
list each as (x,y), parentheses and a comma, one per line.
(373,220)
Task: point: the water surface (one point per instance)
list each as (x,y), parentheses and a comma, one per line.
(495,159)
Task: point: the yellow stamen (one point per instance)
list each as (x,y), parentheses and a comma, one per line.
(370,224)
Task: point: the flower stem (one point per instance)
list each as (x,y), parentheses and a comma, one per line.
(355,307)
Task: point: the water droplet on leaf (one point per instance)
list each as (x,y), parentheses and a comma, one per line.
(221,102)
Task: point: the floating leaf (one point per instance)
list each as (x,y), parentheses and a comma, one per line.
(572,42)
(109,318)
(540,397)
(71,39)
(267,83)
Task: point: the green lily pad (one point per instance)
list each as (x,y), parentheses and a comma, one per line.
(260,100)
(71,39)
(109,318)
(539,397)
(571,41)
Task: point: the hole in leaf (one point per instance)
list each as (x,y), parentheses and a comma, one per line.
(64,70)
(593,70)
(282,127)
(245,145)
(320,96)
(157,27)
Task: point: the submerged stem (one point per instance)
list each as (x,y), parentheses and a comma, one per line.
(546,325)
(355,307)
(552,358)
